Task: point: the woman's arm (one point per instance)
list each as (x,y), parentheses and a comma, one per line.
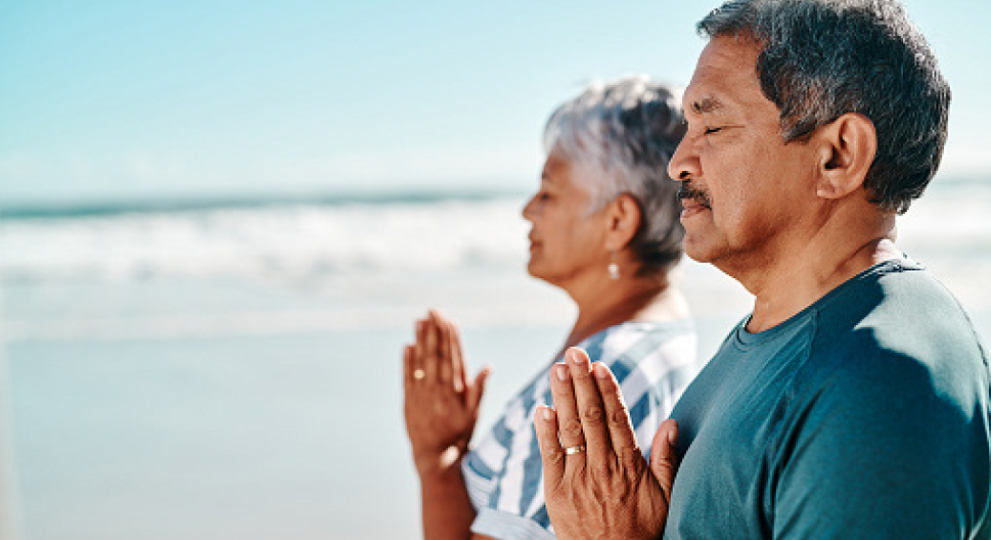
(447,511)
(441,410)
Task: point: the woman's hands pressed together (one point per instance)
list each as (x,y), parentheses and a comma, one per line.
(440,405)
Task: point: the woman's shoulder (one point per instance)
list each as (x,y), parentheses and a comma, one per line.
(661,344)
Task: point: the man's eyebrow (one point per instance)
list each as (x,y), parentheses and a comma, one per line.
(706,105)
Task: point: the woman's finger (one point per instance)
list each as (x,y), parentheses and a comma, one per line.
(624,440)
(458,375)
(407,368)
(430,359)
(419,352)
(590,408)
(473,394)
(444,365)
(421,338)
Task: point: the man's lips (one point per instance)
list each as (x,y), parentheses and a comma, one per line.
(693,204)
(691,207)
(692,198)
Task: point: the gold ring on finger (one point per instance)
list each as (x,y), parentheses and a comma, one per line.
(572,450)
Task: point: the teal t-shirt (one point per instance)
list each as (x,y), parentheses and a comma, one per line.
(864,416)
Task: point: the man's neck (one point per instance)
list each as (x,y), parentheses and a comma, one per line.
(795,279)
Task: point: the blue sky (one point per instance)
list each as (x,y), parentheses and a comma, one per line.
(153,99)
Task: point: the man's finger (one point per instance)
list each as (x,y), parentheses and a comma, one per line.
(624,441)
(664,456)
(590,409)
(551,453)
(568,422)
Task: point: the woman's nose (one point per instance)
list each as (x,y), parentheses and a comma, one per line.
(528,209)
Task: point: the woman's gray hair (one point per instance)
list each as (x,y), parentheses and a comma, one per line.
(821,59)
(623,134)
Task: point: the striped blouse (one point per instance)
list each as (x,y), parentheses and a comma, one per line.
(653,363)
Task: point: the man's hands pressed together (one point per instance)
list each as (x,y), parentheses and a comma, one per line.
(596,480)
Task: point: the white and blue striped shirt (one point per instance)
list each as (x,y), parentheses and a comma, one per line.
(653,363)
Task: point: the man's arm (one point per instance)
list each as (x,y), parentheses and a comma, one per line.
(885,449)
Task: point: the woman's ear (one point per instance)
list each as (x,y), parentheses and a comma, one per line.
(622,217)
(846,149)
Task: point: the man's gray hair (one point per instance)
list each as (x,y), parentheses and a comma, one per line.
(821,59)
(623,134)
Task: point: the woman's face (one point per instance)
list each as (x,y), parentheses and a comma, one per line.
(566,241)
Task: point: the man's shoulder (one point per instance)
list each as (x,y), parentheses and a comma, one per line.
(898,335)
(900,309)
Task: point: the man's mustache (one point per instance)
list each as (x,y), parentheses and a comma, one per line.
(688,191)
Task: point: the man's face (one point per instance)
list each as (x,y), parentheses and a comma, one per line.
(744,188)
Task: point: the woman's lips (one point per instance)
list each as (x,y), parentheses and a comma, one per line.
(534,243)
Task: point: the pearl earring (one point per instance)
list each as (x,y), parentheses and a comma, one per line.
(613,269)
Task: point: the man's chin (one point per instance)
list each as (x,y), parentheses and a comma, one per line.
(699,258)
(697,250)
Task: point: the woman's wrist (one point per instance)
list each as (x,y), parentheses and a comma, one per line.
(440,467)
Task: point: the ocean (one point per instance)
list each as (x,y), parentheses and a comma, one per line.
(231,368)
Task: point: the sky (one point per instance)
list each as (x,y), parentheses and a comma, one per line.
(152,99)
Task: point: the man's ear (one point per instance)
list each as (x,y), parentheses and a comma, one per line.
(846,149)
(622,221)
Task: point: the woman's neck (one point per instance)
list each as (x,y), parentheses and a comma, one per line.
(642,299)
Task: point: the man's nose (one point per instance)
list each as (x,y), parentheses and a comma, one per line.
(684,164)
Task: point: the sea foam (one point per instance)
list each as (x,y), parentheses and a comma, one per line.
(296,241)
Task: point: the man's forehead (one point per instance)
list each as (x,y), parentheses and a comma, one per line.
(724,75)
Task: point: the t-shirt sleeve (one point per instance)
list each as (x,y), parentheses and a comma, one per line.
(886,447)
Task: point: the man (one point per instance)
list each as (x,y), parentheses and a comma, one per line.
(854,401)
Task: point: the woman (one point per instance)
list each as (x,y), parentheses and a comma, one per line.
(605,228)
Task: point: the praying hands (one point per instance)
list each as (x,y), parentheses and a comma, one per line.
(596,481)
